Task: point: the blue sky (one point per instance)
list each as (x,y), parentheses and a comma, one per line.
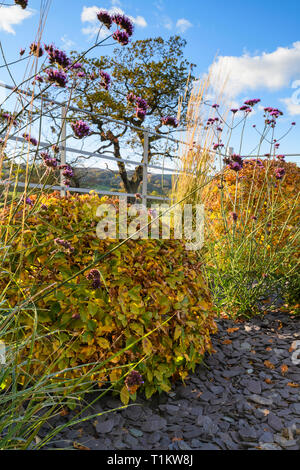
(257,42)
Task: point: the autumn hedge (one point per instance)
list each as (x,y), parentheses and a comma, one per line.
(137,289)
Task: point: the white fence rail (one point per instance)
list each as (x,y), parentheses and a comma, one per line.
(64,149)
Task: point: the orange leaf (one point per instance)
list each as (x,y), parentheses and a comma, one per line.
(284,368)
(78,446)
(232,330)
(268,348)
(292,384)
(269,365)
(175,439)
(64,412)
(227,341)
(266,412)
(224,315)
(268,381)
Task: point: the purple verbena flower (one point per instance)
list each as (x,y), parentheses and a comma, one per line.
(29,139)
(141,103)
(39,79)
(106,80)
(217,146)
(246,109)
(68,172)
(10,119)
(56,56)
(170,121)
(279,173)
(57,77)
(121,36)
(140,113)
(133,379)
(105,18)
(123,22)
(36,50)
(274,112)
(234,162)
(131,98)
(94,276)
(235,166)
(64,244)
(77,66)
(29,201)
(81,129)
(252,102)
(48,161)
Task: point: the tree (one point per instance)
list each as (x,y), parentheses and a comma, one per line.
(152,69)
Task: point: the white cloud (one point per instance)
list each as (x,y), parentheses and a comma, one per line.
(140,21)
(167,22)
(292,107)
(272,71)
(67,43)
(89,15)
(183,24)
(13,15)
(159,5)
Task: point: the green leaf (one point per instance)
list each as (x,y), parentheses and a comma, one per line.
(92,308)
(92,325)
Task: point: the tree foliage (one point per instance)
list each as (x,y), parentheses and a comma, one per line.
(153,69)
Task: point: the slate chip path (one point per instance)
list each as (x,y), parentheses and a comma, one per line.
(241,398)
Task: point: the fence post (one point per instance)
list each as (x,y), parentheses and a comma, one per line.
(145,168)
(63,152)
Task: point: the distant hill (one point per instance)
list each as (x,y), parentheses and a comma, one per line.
(107,180)
(97,179)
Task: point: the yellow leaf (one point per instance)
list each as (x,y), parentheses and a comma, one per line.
(115,375)
(147,346)
(124,395)
(103,343)
(177,332)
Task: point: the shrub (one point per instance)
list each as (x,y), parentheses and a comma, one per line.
(98,314)
(262,200)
